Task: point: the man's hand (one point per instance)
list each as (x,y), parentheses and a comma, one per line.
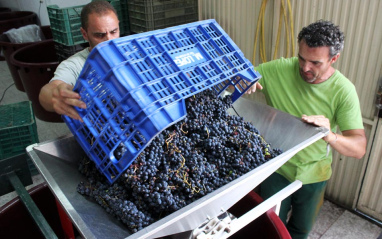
(321,121)
(63,100)
(59,97)
(318,120)
(253,88)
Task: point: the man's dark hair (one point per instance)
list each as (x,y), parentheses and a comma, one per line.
(323,33)
(100,7)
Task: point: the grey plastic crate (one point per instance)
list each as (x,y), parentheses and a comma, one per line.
(150,15)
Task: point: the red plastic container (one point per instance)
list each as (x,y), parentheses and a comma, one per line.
(16,222)
(8,48)
(36,65)
(14,216)
(268,225)
(16,19)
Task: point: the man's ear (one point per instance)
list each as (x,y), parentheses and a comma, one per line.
(335,58)
(84,34)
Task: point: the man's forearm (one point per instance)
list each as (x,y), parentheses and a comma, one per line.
(351,144)
(45,96)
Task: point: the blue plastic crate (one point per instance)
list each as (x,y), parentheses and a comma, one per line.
(136,86)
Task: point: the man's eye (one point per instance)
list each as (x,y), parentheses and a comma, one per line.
(100,35)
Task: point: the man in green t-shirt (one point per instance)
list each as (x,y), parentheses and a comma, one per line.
(308,86)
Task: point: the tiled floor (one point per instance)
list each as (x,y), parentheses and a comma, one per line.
(333,222)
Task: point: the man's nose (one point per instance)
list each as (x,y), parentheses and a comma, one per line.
(108,36)
(305,66)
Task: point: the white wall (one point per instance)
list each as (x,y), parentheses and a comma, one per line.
(39,7)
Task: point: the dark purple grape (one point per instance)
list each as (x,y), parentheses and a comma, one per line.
(185,162)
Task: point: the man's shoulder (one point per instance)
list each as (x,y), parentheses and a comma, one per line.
(69,69)
(81,54)
(285,61)
(78,58)
(282,64)
(341,79)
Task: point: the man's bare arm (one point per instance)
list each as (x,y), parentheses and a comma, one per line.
(351,143)
(58,96)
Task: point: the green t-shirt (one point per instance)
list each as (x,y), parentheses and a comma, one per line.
(335,98)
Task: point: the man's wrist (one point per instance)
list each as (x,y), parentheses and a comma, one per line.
(331,138)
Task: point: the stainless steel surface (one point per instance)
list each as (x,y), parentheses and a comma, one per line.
(62,175)
(57,162)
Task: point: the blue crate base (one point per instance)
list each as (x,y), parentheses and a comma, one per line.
(135,87)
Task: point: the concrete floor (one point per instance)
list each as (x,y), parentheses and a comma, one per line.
(333,221)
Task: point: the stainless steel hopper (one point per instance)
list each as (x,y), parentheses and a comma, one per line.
(57,162)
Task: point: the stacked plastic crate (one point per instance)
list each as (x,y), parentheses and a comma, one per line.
(17,131)
(65,24)
(151,15)
(123,16)
(136,86)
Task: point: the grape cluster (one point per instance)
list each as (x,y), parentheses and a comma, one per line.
(186,161)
